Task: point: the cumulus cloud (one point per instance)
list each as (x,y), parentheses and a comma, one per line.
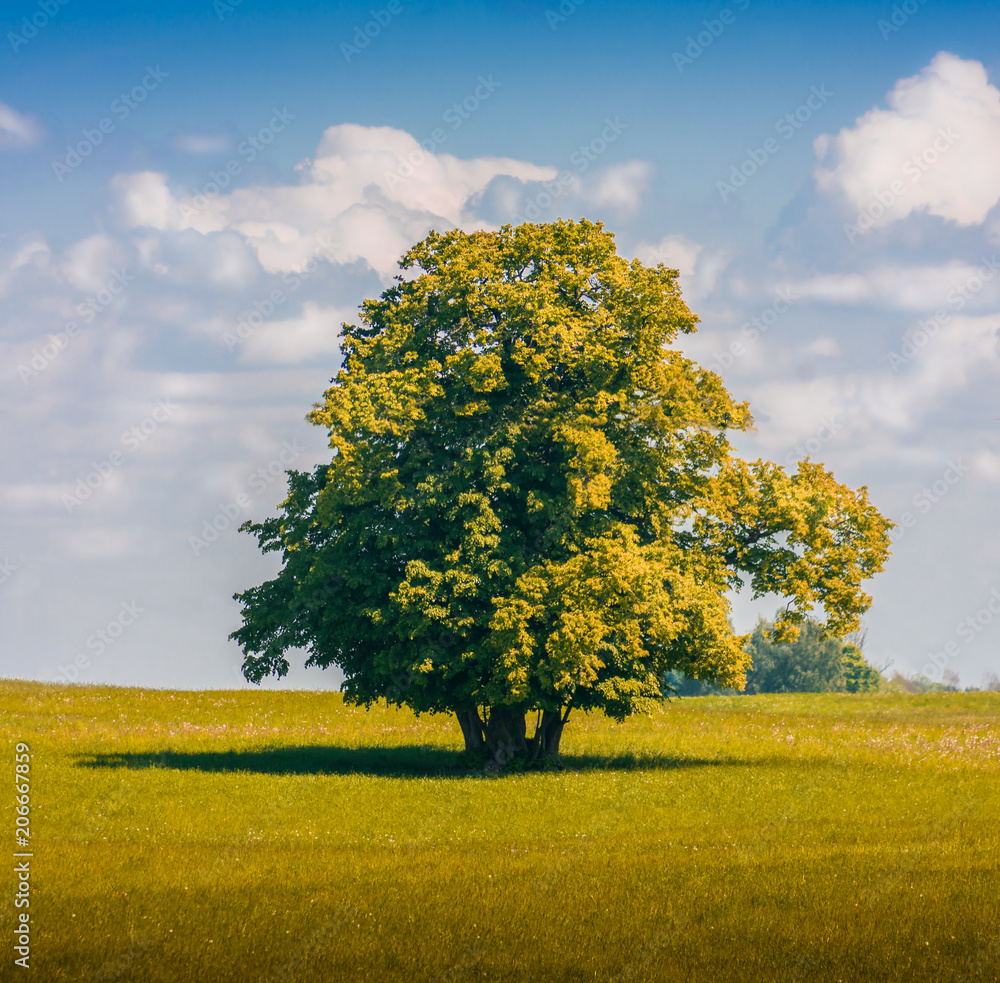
(219,261)
(17,131)
(370,192)
(699,266)
(934,150)
(676,252)
(316,332)
(930,370)
(144,200)
(88,264)
(620,186)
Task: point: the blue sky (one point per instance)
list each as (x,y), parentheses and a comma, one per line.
(828,170)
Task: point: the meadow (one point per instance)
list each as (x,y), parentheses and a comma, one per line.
(283,836)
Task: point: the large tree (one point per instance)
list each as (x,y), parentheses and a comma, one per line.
(532,505)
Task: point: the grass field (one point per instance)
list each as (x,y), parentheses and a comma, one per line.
(278,836)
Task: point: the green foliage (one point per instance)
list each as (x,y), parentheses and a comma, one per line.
(676,683)
(859,676)
(814,662)
(532,501)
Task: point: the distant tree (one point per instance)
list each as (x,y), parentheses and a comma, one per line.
(815,662)
(951,679)
(680,685)
(921,684)
(859,676)
(858,637)
(532,505)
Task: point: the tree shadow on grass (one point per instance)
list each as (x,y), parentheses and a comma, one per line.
(415,761)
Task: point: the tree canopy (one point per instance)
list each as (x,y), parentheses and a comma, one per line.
(532,503)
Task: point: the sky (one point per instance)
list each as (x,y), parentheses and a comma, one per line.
(194,197)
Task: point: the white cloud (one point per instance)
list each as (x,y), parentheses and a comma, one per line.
(699,266)
(959,355)
(674,252)
(221,261)
(316,332)
(17,131)
(143,199)
(89,262)
(620,186)
(370,191)
(935,150)
(947,361)
(32,248)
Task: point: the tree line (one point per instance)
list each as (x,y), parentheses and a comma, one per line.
(817,662)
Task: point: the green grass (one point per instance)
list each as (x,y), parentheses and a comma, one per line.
(282,836)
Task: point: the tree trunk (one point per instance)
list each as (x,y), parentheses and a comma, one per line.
(548,734)
(472,729)
(505,736)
